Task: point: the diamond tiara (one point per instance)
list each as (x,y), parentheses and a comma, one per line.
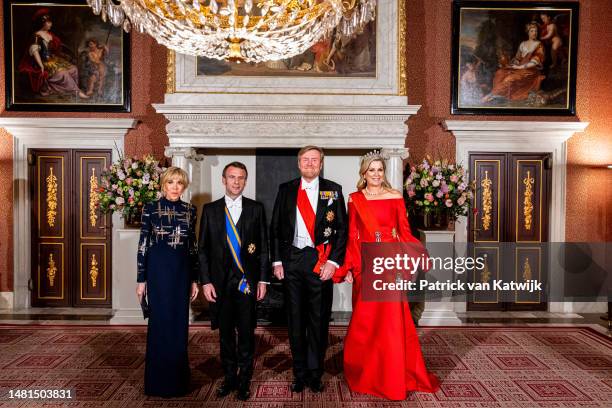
(373,154)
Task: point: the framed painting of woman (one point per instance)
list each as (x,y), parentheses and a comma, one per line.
(514,58)
(59,56)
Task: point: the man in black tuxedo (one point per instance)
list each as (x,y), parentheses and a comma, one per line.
(308,240)
(234,262)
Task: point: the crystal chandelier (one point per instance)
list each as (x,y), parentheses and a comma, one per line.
(239,30)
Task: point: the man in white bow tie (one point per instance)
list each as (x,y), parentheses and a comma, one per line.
(234,263)
(308,239)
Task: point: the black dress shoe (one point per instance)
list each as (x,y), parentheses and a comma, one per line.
(226,388)
(316,385)
(244,392)
(297,385)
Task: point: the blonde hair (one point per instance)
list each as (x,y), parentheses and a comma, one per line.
(172,172)
(309,148)
(366,161)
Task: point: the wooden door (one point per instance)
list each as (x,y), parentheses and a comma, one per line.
(92,232)
(487,227)
(71,240)
(50,178)
(513,201)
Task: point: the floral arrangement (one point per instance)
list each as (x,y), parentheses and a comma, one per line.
(439,188)
(128,184)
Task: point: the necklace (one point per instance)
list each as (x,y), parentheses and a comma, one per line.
(373,194)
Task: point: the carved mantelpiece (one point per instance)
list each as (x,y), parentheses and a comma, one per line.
(248,121)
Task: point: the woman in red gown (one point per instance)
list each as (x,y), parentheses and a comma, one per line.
(382,354)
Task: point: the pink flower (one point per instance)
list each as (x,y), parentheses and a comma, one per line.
(449,203)
(439,194)
(128,181)
(411,193)
(453,178)
(429,197)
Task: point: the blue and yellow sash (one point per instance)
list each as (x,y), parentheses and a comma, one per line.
(233,240)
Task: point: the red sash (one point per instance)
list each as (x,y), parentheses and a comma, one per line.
(308,215)
(365,213)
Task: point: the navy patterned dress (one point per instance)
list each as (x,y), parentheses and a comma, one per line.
(168,263)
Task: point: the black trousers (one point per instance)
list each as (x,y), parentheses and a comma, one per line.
(308,302)
(237,319)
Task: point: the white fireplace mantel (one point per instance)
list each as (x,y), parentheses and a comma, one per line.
(281,121)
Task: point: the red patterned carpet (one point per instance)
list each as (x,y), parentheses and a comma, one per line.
(478,366)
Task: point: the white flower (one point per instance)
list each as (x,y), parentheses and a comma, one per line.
(327,232)
(158,195)
(435,183)
(121,175)
(134,165)
(119,200)
(146,178)
(424,183)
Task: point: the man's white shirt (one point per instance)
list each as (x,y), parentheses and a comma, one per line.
(234,207)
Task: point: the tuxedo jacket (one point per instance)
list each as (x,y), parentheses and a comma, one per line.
(330,222)
(215,256)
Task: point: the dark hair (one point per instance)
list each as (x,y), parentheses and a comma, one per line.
(40,21)
(236,164)
(94,40)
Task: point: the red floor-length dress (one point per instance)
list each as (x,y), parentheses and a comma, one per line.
(382,354)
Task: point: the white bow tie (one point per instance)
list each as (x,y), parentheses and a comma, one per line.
(233,205)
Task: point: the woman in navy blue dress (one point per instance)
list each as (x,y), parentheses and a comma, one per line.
(168,274)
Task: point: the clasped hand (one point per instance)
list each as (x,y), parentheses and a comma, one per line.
(211,295)
(327,271)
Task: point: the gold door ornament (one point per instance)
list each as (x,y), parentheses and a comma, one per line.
(93,198)
(93,271)
(527,270)
(51,198)
(51,270)
(486,273)
(528,201)
(487,201)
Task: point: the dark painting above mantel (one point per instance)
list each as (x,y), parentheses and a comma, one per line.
(59,56)
(514,58)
